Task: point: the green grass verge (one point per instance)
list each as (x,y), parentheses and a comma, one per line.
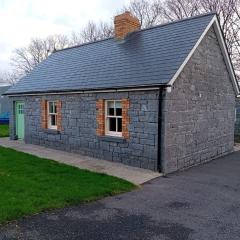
(30,185)
(4,130)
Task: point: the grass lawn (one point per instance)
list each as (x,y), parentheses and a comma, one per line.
(29,185)
(4,130)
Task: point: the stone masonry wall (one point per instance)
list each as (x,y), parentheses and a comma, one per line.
(200,110)
(79,125)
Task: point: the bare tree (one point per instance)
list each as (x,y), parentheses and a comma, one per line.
(26,58)
(149,12)
(2,79)
(179,9)
(152,12)
(8,77)
(92,32)
(229,16)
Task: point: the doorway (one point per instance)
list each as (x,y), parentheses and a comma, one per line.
(20,120)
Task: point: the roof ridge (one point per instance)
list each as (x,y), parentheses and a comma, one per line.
(141,30)
(178,21)
(83,44)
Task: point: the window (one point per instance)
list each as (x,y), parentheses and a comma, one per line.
(20,109)
(113,115)
(52,115)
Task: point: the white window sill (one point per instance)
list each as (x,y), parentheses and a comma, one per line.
(113,134)
(52,127)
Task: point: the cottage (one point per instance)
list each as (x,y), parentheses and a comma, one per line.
(161,98)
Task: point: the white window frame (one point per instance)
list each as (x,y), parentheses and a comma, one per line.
(50,126)
(107,132)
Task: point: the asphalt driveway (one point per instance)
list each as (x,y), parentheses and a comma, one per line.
(201,203)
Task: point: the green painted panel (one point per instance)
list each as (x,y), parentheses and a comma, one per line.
(20,120)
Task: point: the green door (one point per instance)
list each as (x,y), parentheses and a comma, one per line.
(20,120)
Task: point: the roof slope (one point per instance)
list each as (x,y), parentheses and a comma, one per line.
(148,57)
(3,89)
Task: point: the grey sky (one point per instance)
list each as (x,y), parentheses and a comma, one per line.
(21,20)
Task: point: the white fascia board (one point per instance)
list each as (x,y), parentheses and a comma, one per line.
(82,92)
(214,22)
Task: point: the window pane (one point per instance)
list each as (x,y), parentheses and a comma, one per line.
(53,120)
(20,109)
(110,108)
(50,107)
(55,108)
(118,104)
(119,125)
(119,112)
(112,124)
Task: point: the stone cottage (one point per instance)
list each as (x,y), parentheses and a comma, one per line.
(161,98)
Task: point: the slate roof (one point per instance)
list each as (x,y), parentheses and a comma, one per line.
(3,89)
(148,57)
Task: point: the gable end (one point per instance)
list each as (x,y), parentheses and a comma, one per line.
(215,24)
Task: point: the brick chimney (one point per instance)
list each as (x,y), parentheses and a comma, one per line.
(125,23)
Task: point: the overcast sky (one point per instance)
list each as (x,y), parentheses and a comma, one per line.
(21,20)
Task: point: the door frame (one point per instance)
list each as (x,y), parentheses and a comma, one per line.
(16,119)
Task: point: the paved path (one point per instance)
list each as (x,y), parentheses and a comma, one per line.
(136,175)
(237,147)
(201,203)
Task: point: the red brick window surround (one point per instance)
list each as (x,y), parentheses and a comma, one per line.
(44,121)
(100,106)
(125,118)
(51,116)
(112,118)
(59,115)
